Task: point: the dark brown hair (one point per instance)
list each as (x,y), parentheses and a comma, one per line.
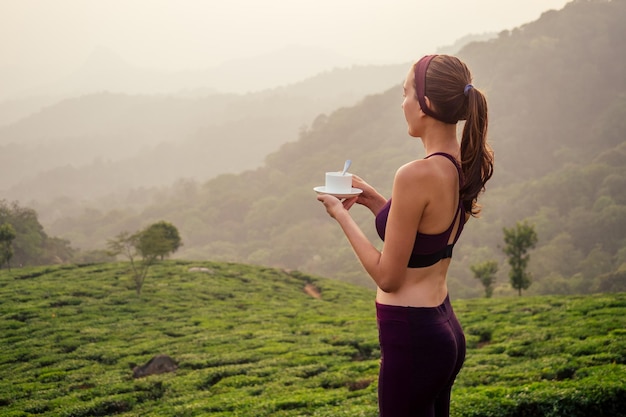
(445,86)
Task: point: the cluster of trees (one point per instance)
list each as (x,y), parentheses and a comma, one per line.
(518,241)
(7,234)
(23,240)
(149,244)
(161,239)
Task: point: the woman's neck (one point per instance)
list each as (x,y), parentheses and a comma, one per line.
(441,139)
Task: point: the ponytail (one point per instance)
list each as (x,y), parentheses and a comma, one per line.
(446,81)
(476,154)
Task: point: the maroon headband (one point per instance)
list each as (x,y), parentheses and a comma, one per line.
(420,86)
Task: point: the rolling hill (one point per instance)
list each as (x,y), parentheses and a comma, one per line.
(251,341)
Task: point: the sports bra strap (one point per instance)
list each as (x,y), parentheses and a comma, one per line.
(459,212)
(454,161)
(459,229)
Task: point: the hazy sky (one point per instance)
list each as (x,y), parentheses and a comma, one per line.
(52,37)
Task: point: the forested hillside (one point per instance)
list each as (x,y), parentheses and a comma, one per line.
(556,88)
(557,95)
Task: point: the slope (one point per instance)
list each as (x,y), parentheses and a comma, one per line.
(250,341)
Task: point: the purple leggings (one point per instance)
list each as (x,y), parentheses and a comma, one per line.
(422,351)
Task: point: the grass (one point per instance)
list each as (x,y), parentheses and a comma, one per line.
(250,341)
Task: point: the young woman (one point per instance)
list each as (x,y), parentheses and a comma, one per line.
(422,343)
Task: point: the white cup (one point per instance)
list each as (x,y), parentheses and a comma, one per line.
(337,183)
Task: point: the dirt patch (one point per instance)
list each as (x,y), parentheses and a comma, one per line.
(313,291)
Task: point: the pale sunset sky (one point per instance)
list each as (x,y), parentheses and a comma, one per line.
(42,39)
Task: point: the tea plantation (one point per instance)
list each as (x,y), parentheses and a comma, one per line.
(254,341)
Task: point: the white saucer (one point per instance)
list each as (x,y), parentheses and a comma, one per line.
(354,192)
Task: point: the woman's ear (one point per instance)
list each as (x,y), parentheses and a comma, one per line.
(422,114)
(428,104)
(427,100)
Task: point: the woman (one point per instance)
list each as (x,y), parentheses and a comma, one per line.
(422,343)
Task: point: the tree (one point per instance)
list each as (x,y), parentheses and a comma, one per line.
(28,245)
(7,234)
(126,244)
(152,243)
(31,245)
(159,240)
(519,240)
(486,273)
(57,250)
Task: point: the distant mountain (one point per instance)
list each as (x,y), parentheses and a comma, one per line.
(454,48)
(91,145)
(94,135)
(282,67)
(16,109)
(104,70)
(553,85)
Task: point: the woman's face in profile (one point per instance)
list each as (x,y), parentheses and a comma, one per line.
(410,106)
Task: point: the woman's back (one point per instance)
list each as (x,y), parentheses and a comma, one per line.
(441,222)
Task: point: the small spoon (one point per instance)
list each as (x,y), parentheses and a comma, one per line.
(346,166)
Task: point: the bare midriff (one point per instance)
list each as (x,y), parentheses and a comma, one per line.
(422,287)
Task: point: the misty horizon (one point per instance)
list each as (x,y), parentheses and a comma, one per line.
(44,46)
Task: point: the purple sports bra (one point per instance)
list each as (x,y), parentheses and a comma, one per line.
(428,249)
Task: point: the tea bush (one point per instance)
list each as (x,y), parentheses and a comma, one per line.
(249,341)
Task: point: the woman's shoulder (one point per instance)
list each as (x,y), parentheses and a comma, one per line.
(414,184)
(422,177)
(420,169)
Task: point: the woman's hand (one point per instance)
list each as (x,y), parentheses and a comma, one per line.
(369,198)
(333,205)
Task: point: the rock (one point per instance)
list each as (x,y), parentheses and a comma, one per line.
(200,269)
(157,365)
